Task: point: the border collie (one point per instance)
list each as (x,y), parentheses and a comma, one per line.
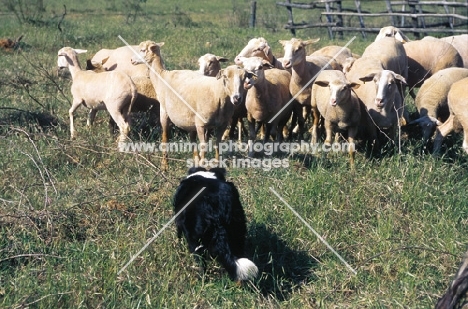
(214,222)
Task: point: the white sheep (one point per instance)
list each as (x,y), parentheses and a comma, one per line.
(338,53)
(193,102)
(431,100)
(426,57)
(304,71)
(333,95)
(460,42)
(266,98)
(391,31)
(458,104)
(383,97)
(119,59)
(210,64)
(259,47)
(113,91)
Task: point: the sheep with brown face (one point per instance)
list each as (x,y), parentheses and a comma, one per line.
(111,91)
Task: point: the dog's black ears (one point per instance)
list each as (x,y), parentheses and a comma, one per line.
(196,169)
(219,172)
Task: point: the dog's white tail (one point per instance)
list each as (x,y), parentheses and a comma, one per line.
(246,269)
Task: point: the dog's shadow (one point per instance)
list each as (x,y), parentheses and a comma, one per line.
(281,269)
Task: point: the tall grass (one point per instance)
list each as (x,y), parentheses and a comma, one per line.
(74,212)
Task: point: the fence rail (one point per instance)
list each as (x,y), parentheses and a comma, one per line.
(411,9)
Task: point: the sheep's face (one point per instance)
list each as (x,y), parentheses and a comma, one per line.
(256,47)
(386,87)
(392,32)
(233,81)
(147,51)
(340,90)
(66,56)
(255,70)
(295,51)
(210,64)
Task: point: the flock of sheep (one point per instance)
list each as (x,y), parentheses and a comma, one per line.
(358,94)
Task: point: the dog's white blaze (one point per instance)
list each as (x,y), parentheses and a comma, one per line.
(246,269)
(204,174)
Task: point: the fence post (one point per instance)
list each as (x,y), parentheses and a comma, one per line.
(253,13)
(290,18)
(389,9)
(329,19)
(361,20)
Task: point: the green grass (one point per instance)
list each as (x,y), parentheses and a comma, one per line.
(73,213)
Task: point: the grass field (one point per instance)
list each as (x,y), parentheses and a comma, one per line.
(72,213)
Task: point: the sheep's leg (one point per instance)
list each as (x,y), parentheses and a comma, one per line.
(252,135)
(91,117)
(164,119)
(329,132)
(70,112)
(352,132)
(124,128)
(441,132)
(465,138)
(219,135)
(193,141)
(201,132)
(315,123)
(270,130)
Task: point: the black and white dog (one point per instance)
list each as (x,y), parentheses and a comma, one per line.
(214,222)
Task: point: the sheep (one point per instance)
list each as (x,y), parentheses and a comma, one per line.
(391,31)
(193,102)
(426,57)
(431,100)
(119,59)
(334,98)
(210,64)
(302,76)
(382,98)
(259,47)
(460,42)
(458,104)
(266,98)
(113,91)
(338,53)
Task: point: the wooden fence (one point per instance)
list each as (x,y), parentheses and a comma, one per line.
(410,15)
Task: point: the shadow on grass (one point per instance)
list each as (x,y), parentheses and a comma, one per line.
(281,268)
(34,121)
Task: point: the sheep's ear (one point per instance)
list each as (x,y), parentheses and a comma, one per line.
(283,42)
(322,83)
(400,78)
(266,49)
(267,65)
(310,41)
(160,44)
(368,77)
(222,59)
(354,85)
(104,60)
(220,74)
(80,51)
